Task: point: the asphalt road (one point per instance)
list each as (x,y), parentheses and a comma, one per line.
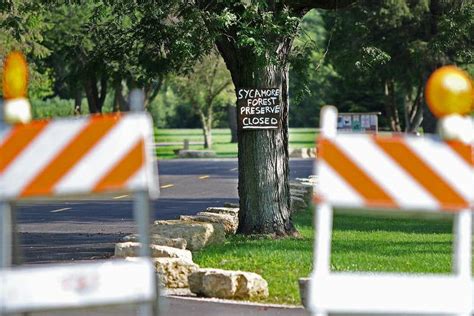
(184,306)
(85,230)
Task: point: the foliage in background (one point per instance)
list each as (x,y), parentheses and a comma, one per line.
(312,78)
(373,57)
(384,51)
(22,27)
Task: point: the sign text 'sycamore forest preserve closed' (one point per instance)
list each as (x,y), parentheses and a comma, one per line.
(259,108)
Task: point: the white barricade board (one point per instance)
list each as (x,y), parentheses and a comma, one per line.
(356,293)
(82,156)
(395,172)
(77,285)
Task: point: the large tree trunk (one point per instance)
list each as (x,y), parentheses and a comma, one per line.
(232,118)
(437,9)
(207,137)
(95,97)
(120,103)
(78,101)
(414,109)
(206,129)
(263,165)
(263,154)
(391,106)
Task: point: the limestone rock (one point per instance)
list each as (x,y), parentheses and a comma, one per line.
(196,234)
(228,284)
(297,204)
(298,193)
(131,249)
(174,272)
(229,222)
(233,205)
(234,211)
(195,281)
(156,239)
(302,152)
(307,188)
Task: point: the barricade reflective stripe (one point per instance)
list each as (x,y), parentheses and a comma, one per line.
(67,157)
(395,172)
(16,141)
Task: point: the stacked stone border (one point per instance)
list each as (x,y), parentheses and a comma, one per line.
(174,241)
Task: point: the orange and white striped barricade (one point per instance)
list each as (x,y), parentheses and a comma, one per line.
(71,158)
(405,173)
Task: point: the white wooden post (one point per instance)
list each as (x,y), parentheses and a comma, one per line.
(462,230)
(324,214)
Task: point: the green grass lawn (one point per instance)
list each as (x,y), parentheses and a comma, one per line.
(299,138)
(360,243)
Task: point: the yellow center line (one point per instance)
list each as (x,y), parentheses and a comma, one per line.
(167,186)
(61,210)
(203,177)
(120,197)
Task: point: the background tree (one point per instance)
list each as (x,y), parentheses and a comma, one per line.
(73,43)
(393,47)
(314,82)
(208,85)
(142,42)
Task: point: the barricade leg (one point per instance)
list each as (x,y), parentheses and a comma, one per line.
(462,229)
(142,214)
(322,248)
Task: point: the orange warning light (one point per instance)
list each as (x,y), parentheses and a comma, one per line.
(15,76)
(449,91)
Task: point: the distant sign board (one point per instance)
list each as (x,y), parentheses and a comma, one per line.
(358,122)
(259,108)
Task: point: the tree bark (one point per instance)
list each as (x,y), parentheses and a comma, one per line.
(232,118)
(263,154)
(263,166)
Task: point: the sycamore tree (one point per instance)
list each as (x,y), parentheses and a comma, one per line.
(206,86)
(255,39)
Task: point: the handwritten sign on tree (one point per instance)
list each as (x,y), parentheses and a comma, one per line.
(259,108)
